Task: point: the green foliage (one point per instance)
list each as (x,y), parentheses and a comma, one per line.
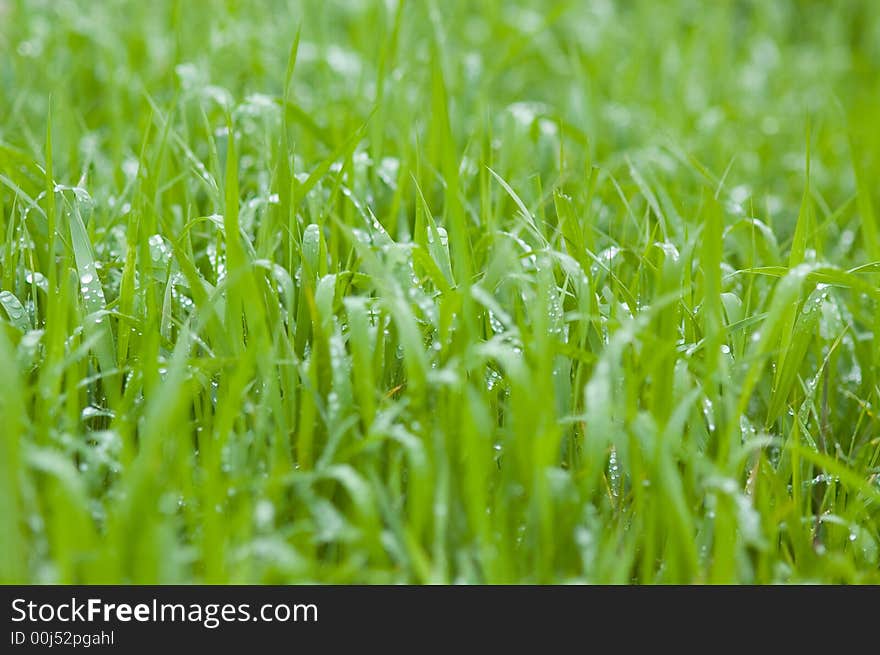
(441,292)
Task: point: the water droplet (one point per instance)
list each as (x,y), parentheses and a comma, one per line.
(35,278)
(264,514)
(709,414)
(93,412)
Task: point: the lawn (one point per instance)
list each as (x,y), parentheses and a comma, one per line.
(361,291)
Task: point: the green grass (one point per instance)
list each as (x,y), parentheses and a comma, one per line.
(439,292)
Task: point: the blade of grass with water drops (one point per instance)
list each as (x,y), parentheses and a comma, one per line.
(94,305)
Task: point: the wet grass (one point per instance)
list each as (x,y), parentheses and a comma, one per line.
(437,292)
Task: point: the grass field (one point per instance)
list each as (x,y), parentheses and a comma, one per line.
(439,292)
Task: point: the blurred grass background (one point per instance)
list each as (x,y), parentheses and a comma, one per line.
(478,292)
